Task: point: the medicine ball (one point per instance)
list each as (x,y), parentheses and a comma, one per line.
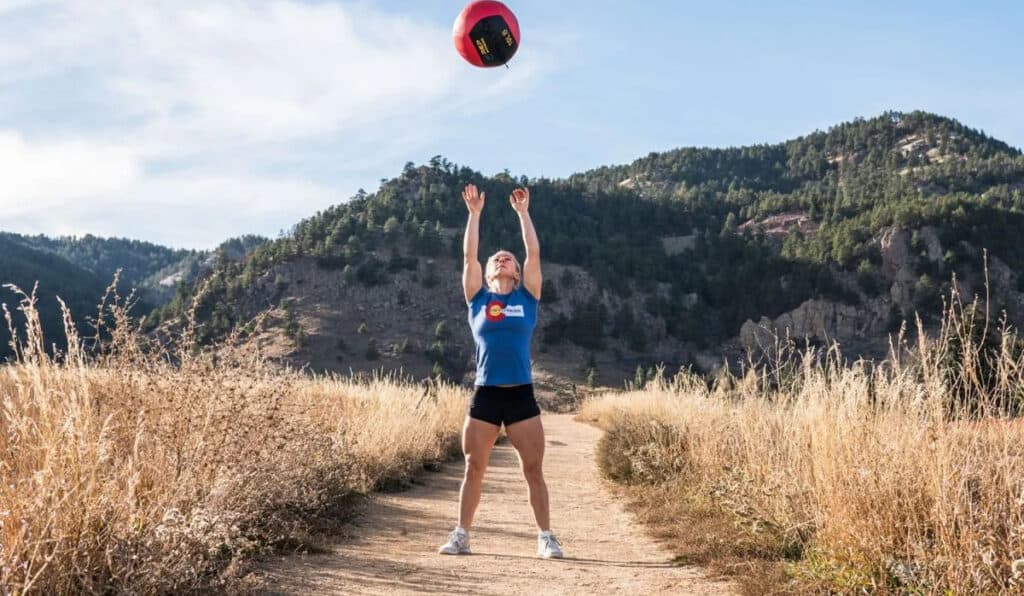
(486,33)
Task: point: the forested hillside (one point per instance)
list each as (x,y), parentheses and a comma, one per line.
(686,246)
(78,269)
(678,257)
(22,266)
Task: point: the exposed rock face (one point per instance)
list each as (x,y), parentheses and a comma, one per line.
(172,280)
(826,321)
(674,245)
(1000,275)
(898,265)
(895,245)
(780,224)
(866,325)
(932,245)
(1002,282)
(819,320)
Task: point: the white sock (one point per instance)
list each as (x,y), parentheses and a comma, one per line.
(546,533)
(461,530)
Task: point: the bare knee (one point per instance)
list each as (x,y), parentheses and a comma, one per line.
(533,471)
(476,465)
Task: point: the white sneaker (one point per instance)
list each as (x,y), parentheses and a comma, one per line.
(548,546)
(458,544)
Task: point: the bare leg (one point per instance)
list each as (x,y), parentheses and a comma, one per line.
(527,437)
(477,441)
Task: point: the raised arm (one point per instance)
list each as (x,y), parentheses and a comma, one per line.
(532,279)
(472,274)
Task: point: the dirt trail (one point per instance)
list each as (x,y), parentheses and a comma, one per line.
(394,542)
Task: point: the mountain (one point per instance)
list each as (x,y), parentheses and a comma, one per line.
(684,257)
(136,259)
(78,269)
(681,257)
(23,266)
(149,268)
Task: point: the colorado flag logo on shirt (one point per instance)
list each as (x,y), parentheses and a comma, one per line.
(496,311)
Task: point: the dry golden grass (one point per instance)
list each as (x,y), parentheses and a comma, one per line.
(902,477)
(123,472)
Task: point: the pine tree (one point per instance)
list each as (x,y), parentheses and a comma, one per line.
(729,227)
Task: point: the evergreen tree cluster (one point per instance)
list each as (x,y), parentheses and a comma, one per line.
(847,184)
(850,182)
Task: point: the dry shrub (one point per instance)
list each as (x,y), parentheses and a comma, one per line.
(639,450)
(148,469)
(905,476)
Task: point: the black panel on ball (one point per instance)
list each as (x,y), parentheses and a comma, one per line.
(493,40)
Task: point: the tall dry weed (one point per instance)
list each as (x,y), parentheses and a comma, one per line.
(901,476)
(142,468)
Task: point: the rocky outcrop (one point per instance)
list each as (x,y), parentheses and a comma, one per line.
(674,245)
(819,320)
(932,246)
(865,326)
(1002,284)
(781,224)
(897,265)
(899,260)
(895,248)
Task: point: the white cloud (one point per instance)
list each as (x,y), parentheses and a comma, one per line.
(276,71)
(9,6)
(183,210)
(237,72)
(224,94)
(41,176)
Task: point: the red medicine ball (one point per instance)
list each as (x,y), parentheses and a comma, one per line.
(486,33)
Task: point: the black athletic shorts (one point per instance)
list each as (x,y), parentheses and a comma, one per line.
(506,405)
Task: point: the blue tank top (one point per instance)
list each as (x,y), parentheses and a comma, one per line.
(502,326)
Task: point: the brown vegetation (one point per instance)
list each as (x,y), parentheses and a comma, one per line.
(139,470)
(904,476)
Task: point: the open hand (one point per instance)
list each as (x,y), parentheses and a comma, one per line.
(474,200)
(520,199)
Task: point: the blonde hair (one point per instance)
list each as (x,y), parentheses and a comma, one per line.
(490,275)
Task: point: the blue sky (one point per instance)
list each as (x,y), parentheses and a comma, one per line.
(185,122)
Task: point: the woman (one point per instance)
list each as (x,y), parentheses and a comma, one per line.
(502,315)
